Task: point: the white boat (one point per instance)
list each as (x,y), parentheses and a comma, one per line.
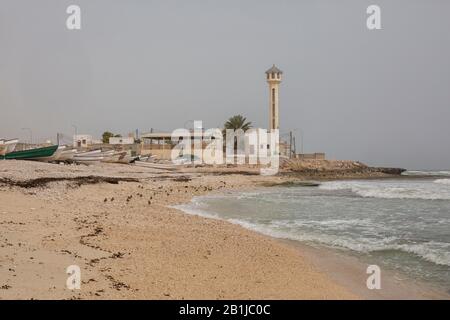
(151,158)
(87,160)
(88,157)
(88,153)
(107,155)
(154,165)
(10,144)
(119,157)
(67,155)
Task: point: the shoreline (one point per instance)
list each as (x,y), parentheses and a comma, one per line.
(130,245)
(347,268)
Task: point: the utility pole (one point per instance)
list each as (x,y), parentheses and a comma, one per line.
(301,141)
(290,144)
(295,147)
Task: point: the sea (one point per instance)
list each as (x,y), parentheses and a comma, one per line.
(401,224)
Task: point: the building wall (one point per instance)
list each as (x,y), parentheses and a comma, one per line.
(121,140)
(163,154)
(311,156)
(82,140)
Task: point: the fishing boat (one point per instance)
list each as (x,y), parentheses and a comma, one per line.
(88,153)
(113,157)
(87,160)
(88,157)
(119,157)
(67,155)
(107,155)
(31,154)
(10,144)
(154,165)
(54,157)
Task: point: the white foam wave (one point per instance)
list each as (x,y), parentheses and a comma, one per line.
(391,190)
(435,252)
(426,173)
(430,251)
(442,181)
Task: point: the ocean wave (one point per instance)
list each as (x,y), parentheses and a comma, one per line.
(426,173)
(427,251)
(442,181)
(434,252)
(390,190)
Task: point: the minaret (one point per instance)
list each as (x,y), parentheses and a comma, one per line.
(273,79)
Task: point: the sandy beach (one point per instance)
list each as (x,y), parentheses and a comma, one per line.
(115,222)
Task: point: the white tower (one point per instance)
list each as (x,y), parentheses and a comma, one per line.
(273,79)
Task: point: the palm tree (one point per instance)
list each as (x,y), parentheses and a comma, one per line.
(238,122)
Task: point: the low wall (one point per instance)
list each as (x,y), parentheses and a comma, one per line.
(310,156)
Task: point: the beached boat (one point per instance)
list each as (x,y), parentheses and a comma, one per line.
(87,160)
(107,155)
(67,155)
(10,144)
(88,153)
(114,157)
(89,157)
(154,165)
(31,154)
(119,157)
(151,158)
(53,157)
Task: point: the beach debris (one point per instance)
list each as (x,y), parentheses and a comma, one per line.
(182,179)
(77,181)
(292,183)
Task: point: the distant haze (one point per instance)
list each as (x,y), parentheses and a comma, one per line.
(381,97)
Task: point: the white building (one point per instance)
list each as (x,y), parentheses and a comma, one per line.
(121,140)
(82,140)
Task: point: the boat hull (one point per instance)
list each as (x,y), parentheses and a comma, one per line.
(32,154)
(153,165)
(67,155)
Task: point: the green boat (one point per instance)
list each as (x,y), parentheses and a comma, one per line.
(31,154)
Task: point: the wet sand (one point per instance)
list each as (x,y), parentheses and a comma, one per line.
(351,272)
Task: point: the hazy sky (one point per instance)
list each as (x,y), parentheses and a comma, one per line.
(381,97)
